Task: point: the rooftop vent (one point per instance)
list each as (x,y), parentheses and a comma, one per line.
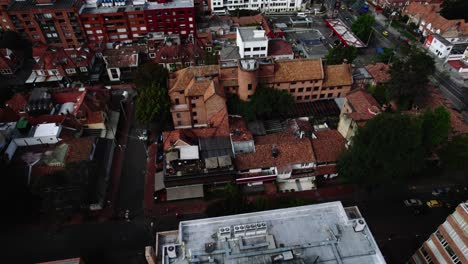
(274,151)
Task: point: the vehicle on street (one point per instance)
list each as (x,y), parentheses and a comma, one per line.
(439,191)
(412,202)
(385,33)
(434,203)
(144,135)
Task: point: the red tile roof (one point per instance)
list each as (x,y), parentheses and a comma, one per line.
(187,52)
(238,129)
(328,145)
(18,102)
(8,115)
(364,106)
(379,71)
(457,64)
(79,149)
(294,152)
(326,169)
(277,47)
(54,58)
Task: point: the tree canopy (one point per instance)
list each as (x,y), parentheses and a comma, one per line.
(410,76)
(454,155)
(266,103)
(455,9)
(339,53)
(153,101)
(393,146)
(362,26)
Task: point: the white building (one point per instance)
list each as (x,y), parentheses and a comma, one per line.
(327,233)
(221,6)
(438,45)
(252,42)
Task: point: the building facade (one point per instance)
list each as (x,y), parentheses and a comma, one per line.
(171,17)
(222,7)
(252,42)
(55,23)
(448,244)
(438,45)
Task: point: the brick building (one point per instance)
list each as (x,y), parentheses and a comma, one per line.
(171,17)
(55,23)
(10,61)
(5,23)
(448,244)
(109,24)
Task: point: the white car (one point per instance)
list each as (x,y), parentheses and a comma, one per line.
(412,202)
(144,135)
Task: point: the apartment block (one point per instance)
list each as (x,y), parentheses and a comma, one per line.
(108,24)
(221,6)
(252,42)
(171,17)
(448,244)
(55,23)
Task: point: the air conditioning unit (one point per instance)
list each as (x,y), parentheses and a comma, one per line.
(239,230)
(171,251)
(224,232)
(359,225)
(261,228)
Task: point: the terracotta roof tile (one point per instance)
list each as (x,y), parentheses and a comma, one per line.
(364,106)
(328,145)
(239,130)
(326,169)
(298,70)
(298,151)
(278,47)
(18,102)
(185,76)
(79,149)
(379,71)
(338,75)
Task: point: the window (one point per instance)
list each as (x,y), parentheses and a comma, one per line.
(256,49)
(330,95)
(89,32)
(308,89)
(292,90)
(194,113)
(194,105)
(246,49)
(249,96)
(262,48)
(249,87)
(426,255)
(299,98)
(195,122)
(177,101)
(322,96)
(70,71)
(314,96)
(292,83)
(307,97)
(48,15)
(178,115)
(152,55)
(316,88)
(179,123)
(83,69)
(301,90)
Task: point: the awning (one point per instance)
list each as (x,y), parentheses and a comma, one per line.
(159,181)
(185,192)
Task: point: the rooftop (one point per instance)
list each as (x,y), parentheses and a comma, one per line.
(169,4)
(328,145)
(340,235)
(363,105)
(298,70)
(338,75)
(344,33)
(379,71)
(252,34)
(238,129)
(32,4)
(277,47)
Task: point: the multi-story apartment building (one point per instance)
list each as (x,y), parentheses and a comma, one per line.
(55,23)
(5,23)
(448,244)
(252,42)
(221,6)
(171,17)
(109,24)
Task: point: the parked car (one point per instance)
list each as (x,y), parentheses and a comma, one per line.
(439,191)
(412,202)
(144,135)
(385,33)
(434,203)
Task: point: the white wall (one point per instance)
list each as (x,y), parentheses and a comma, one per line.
(439,49)
(218,6)
(252,48)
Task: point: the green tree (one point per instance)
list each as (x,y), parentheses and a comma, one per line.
(378,92)
(435,127)
(268,102)
(339,53)
(362,27)
(386,56)
(455,9)
(387,149)
(152,103)
(409,77)
(149,74)
(454,155)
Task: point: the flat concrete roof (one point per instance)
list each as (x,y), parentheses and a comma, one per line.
(247,34)
(299,234)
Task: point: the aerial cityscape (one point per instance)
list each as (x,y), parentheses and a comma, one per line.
(234,131)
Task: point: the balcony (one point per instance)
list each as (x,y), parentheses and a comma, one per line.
(264,175)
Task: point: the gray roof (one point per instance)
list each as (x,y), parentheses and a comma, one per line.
(229,53)
(31,4)
(111,9)
(442,39)
(170,4)
(361,73)
(296,235)
(247,34)
(215,147)
(184,192)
